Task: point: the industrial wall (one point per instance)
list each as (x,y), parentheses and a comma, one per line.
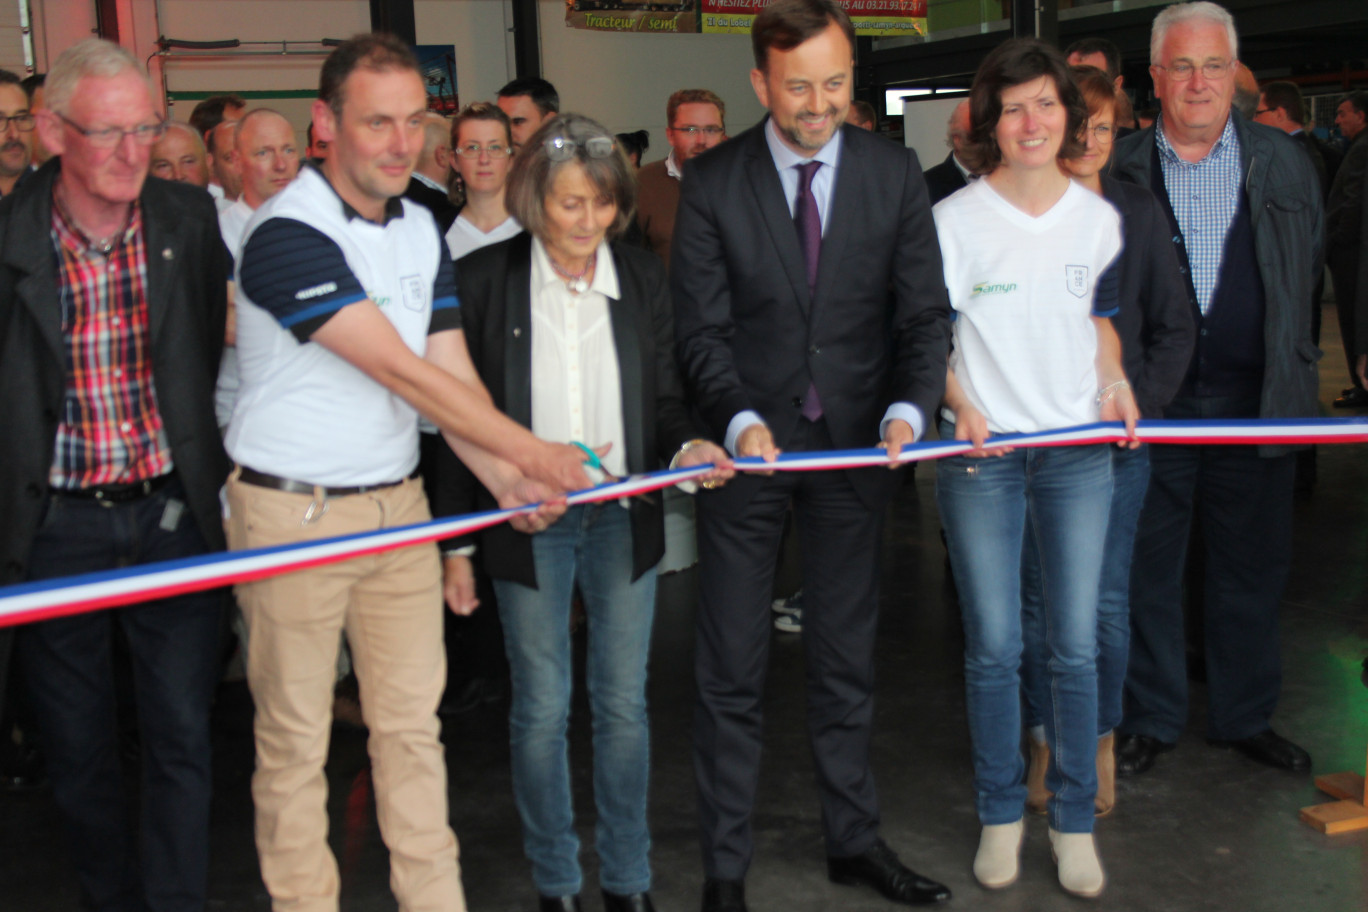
(620,79)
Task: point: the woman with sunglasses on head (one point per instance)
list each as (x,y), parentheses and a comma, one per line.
(1029,267)
(1157,331)
(482,142)
(573,334)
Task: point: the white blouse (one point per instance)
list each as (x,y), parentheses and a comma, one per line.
(576,385)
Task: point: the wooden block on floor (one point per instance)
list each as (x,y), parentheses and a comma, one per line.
(1336,817)
(1346,786)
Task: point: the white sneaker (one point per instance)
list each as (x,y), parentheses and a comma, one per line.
(791,622)
(791,605)
(1080,871)
(998,861)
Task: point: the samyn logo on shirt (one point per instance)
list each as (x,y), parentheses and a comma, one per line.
(991,288)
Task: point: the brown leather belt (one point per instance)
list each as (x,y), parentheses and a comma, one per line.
(290,486)
(117,493)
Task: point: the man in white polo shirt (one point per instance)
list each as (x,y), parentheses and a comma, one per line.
(348,328)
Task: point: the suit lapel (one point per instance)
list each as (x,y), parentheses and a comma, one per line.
(774,209)
(165,249)
(624,314)
(27,250)
(517,327)
(841,215)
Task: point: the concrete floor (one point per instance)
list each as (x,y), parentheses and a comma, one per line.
(1204,830)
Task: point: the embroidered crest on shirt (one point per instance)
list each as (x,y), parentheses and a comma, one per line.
(1076,280)
(415,297)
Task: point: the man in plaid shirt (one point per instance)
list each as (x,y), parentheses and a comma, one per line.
(112,310)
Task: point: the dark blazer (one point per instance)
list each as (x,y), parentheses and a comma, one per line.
(1156,323)
(1289,231)
(435,201)
(752,336)
(944,179)
(495,288)
(187,304)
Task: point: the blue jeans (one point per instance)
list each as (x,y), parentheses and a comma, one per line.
(591,545)
(1061,497)
(174,645)
(1130,478)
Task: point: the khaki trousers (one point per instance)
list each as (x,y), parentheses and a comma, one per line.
(390,605)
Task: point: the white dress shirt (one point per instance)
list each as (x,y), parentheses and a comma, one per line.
(576,384)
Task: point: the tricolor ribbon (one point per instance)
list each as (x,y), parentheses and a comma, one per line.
(62,596)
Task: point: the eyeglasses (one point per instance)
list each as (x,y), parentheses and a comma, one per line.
(22,122)
(1262,111)
(493,150)
(1212,69)
(1104,132)
(560,149)
(691,132)
(109,137)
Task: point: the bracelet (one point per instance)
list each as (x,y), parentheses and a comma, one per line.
(463,551)
(1108,391)
(689,487)
(684,448)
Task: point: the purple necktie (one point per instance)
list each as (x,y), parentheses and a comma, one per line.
(808,220)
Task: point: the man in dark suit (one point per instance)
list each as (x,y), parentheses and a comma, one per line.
(428,184)
(811,314)
(950,175)
(114,466)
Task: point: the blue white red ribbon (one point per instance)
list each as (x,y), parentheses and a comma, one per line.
(45,599)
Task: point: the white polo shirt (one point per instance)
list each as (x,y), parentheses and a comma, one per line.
(303,412)
(1023,289)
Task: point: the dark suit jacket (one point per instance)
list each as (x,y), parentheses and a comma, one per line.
(187,303)
(494,285)
(1156,324)
(944,179)
(437,202)
(750,334)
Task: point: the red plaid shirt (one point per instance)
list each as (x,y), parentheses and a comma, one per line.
(110,431)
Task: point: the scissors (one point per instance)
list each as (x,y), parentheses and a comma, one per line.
(594,464)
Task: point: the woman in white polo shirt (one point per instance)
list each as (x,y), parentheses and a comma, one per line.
(573,334)
(1027,258)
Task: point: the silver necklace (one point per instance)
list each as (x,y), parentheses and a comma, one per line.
(577,283)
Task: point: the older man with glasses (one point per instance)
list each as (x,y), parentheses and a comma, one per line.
(112,309)
(696,119)
(1244,207)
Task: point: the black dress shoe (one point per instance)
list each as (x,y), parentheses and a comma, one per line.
(558,903)
(879,868)
(1271,749)
(724,895)
(1353,398)
(1135,753)
(631,902)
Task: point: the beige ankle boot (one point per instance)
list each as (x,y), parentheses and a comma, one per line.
(998,861)
(1105,802)
(1080,870)
(1037,795)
